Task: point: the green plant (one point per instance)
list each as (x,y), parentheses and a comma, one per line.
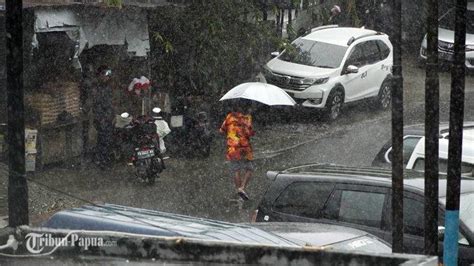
(114,3)
(210,46)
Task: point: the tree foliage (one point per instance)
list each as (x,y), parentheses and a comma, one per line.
(209,46)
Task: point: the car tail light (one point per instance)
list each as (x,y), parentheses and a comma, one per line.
(253,216)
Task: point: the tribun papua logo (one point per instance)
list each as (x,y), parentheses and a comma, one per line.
(35,243)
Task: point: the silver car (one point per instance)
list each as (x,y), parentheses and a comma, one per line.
(446,37)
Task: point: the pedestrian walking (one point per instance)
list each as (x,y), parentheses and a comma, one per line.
(103,116)
(238,129)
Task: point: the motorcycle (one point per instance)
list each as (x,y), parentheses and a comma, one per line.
(191,133)
(144,152)
(200,137)
(121,144)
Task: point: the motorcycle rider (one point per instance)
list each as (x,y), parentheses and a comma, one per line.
(162,128)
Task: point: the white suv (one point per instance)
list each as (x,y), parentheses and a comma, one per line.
(446,37)
(334,65)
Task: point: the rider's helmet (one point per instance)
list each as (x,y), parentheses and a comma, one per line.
(155,112)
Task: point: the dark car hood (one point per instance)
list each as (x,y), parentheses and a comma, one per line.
(312,233)
(109,217)
(326,235)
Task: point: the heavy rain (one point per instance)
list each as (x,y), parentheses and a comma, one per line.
(174,118)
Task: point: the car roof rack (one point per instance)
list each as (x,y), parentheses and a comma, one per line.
(324,27)
(353,39)
(342,170)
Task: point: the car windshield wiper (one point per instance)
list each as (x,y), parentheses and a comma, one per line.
(324,66)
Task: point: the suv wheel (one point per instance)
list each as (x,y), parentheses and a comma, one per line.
(334,104)
(384,99)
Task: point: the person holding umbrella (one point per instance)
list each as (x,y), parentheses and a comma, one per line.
(238,129)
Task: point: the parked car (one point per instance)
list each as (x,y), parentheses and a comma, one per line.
(446,37)
(327,236)
(117,218)
(118,235)
(332,66)
(414,149)
(360,198)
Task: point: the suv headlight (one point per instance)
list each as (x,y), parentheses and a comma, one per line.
(266,71)
(314,81)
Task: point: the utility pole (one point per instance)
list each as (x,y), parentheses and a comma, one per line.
(397,131)
(282,21)
(431,131)
(17,186)
(456,118)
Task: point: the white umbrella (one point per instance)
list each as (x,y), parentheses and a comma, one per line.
(261,92)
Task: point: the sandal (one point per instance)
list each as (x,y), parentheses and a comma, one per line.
(243,195)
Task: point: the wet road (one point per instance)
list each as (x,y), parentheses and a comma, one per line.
(203,187)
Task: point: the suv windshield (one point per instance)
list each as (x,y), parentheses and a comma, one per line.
(447,21)
(466,209)
(313,53)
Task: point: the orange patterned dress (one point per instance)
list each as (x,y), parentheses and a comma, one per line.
(238,130)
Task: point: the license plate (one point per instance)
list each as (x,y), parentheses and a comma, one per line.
(145,154)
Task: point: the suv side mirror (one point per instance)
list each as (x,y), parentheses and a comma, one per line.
(351,69)
(441,230)
(275,54)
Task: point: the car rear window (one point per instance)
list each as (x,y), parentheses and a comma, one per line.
(384,49)
(305,199)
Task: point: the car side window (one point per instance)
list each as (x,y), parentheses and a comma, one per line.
(357,57)
(372,52)
(305,199)
(409,144)
(419,164)
(358,207)
(384,50)
(413,217)
(466,169)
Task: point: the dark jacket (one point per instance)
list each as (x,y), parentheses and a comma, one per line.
(337,20)
(103,108)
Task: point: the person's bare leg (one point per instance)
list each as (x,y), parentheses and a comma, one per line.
(237,180)
(246,179)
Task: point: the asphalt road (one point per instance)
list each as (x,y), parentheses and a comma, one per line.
(365,132)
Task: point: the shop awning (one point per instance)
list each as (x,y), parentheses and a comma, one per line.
(97,26)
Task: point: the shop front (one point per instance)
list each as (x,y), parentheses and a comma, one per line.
(66,46)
